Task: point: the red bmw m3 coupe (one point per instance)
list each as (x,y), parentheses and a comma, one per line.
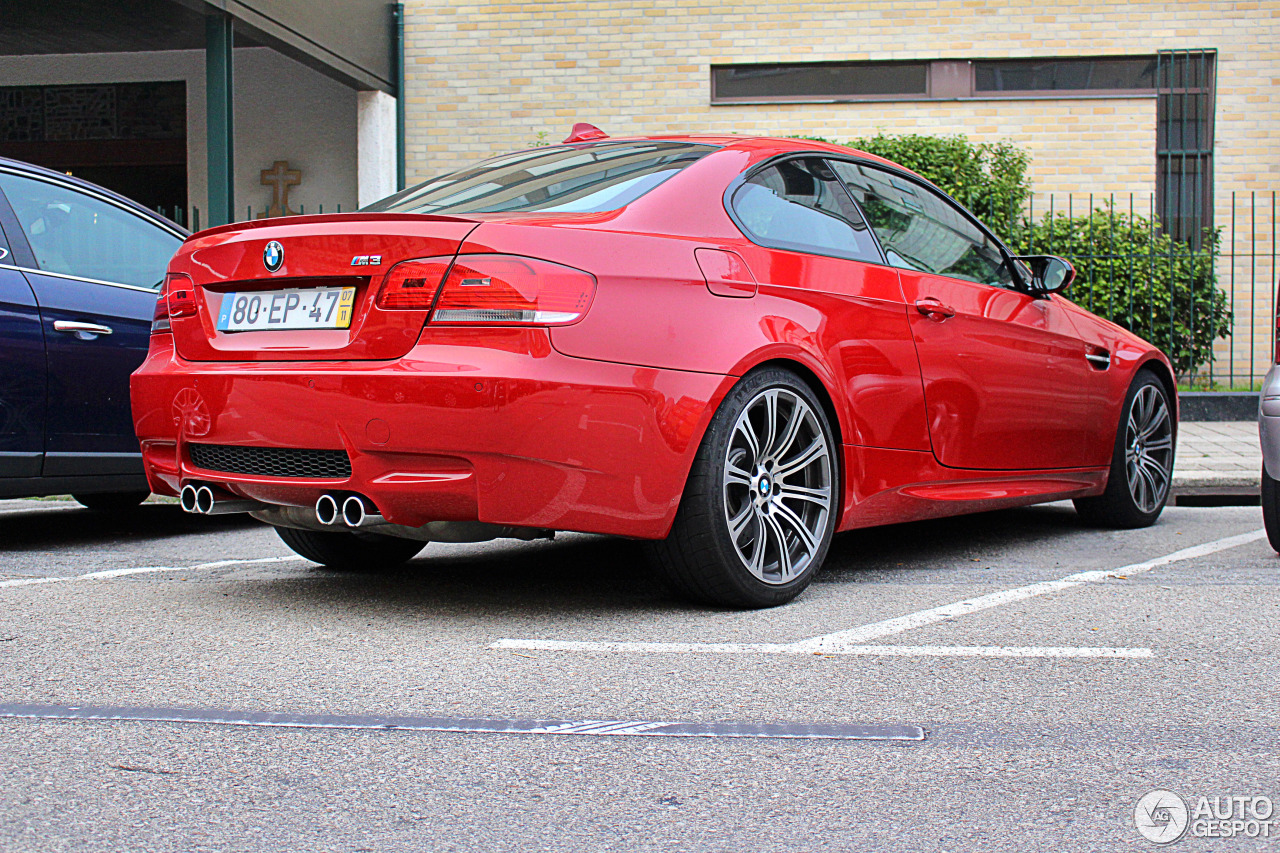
(732,347)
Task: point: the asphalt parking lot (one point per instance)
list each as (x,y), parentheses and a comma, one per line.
(1010,681)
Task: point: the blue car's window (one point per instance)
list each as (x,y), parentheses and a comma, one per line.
(75,234)
(799,205)
(921,230)
(585,178)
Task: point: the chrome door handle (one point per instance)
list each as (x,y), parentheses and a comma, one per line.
(4,253)
(80,328)
(1100,360)
(934,309)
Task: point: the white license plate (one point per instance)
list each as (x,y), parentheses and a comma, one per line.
(265,310)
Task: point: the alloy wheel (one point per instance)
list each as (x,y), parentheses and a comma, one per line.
(1149,448)
(777,485)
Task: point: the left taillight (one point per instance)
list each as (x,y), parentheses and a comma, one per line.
(177,299)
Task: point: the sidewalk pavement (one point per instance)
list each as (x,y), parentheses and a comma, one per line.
(1217,455)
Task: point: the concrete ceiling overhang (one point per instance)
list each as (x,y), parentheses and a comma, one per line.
(348,40)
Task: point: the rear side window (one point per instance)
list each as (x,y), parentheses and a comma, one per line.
(584,178)
(75,234)
(800,205)
(921,230)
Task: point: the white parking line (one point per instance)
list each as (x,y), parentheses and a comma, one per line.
(851,641)
(800,649)
(108,574)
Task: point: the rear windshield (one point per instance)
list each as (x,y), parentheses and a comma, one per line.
(586,178)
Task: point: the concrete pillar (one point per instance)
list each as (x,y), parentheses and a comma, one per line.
(375,146)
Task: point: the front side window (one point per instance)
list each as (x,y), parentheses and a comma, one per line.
(799,205)
(583,178)
(921,230)
(75,234)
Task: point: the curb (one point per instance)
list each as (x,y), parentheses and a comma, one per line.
(1217,406)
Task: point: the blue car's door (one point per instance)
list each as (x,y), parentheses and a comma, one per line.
(96,272)
(22,371)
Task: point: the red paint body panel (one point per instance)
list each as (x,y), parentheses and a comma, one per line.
(593,426)
(317,253)
(488,425)
(1006,383)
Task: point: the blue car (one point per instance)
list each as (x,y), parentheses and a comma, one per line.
(80,270)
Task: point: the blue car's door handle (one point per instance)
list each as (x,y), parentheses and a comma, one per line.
(83,330)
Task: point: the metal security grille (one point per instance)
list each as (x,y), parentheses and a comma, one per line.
(272,461)
(1185,87)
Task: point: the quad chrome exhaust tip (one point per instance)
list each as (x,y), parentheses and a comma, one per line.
(356,514)
(327,510)
(203,500)
(353,511)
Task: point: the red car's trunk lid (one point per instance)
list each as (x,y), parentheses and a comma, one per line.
(348,250)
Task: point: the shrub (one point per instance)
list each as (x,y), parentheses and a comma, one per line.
(1135,275)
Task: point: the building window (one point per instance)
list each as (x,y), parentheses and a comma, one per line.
(820,81)
(941,79)
(1185,86)
(1074,76)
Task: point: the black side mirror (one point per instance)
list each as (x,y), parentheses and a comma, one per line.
(1051,274)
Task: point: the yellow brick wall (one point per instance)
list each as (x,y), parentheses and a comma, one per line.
(489,77)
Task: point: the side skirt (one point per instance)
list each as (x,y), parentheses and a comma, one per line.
(885,486)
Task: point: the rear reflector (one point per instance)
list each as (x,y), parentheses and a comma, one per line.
(177,299)
(412,285)
(507,289)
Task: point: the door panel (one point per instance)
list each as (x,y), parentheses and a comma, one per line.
(1006,382)
(22,379)
(88,409)
(91,263)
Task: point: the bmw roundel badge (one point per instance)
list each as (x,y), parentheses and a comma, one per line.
(273,256)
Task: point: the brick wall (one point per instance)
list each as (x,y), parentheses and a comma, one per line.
(489,77)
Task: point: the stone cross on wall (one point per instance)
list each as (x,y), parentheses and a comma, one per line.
(280,177)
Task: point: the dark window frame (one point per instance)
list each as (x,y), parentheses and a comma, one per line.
(739,182)
(945,80)
(734,185)
(1021,282)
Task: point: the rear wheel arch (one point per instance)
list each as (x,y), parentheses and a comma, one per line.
(815,383)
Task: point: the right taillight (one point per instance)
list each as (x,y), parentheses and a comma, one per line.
(509,289)
(177,299)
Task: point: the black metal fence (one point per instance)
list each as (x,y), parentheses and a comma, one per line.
(190,217)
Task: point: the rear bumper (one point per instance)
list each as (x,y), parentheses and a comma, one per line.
(486,425)
(1269,421)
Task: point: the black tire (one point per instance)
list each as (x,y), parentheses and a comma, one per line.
(350,552)
(701,558)
(1118,507)
(112,502)
(1271,508)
